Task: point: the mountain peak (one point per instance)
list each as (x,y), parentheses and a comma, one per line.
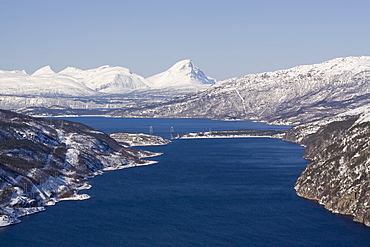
(70,71)
(46,70)
(182,73)
(183,63)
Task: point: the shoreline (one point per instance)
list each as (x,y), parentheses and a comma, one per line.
(13,215)
(224,137)
(245,133)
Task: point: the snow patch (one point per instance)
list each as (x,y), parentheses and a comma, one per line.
(44,71)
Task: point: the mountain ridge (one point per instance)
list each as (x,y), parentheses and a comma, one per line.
(299,94)
(102,80)
(107,79)
(86,91)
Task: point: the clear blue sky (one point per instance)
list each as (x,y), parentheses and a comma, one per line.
(223,38)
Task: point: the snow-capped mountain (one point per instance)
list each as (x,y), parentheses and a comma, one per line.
(44,82)
(183,73)
(106,87)
(300,93)
(106,79)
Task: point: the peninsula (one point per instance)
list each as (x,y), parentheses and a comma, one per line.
(44,161)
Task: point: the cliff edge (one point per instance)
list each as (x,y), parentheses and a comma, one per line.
(338,175)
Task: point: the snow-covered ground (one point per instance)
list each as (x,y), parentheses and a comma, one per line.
(292,96)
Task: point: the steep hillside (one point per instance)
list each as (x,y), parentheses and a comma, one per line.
(338,175)
(291,96)
(46,161)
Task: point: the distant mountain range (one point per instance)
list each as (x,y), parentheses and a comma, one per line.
(292,96)
(75,82)
(105,87)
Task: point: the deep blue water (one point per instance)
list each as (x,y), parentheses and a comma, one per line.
(205,192)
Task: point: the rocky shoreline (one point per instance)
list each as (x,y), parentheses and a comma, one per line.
(43,162)
(338,175)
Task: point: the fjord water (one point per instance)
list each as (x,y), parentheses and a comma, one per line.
(203,192)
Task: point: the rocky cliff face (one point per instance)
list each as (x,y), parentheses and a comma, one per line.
(338,175)
(45,161)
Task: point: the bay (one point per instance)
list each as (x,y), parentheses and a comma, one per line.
(202,192)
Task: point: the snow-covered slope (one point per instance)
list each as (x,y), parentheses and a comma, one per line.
(297,94)
(107,79)
(183,73)
(44,71)
(42,83)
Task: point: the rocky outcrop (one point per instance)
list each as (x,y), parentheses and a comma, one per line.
(338,175)
(45,161)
